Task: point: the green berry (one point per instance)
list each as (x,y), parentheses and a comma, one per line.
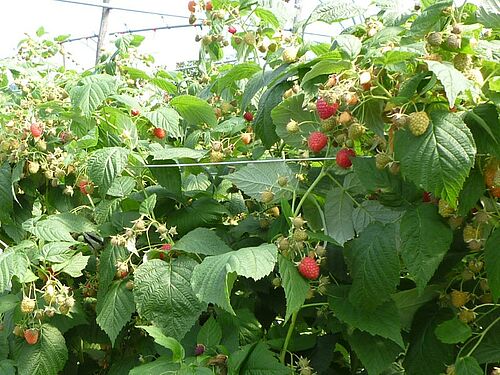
(418,123)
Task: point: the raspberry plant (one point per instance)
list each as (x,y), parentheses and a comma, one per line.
(131,241)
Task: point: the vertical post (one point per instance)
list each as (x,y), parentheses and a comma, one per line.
(103,29)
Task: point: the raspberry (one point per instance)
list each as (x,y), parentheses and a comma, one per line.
(31,336)
(159,133)
(328,124)
(282,181)
(470,233)
(199,349)
(86,187)
(208,6)
(246,138)
(292,126)
(343,158)
(344,118)
(454,41)
(36,130)
(426,197)
(284,244)
(356,131)
(459,298)
(309,268)
(435,39)
(492,178)
(418,123)
(290,55)
(317,141)
(325,110)
(445,210)
(216,156)
(248,116)
(467,316)
(476,265)
(249,38)
(299,235)
(166,247)
(462,62)
(134,112)
(192,6)
(27,305)
(33,167)
(231,30)
(457,29)
(276,282)
(382,159)
(266,196)
(298,222)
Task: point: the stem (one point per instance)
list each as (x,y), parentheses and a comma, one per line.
(481,337)
(345,191)
(288,336)
(322,174)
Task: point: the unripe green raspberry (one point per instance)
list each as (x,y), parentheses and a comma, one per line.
(445,210)
(462,62)
(300,235)
(292,126)
(382,159)
(454,41)
(435,39)
(266,196)
(418,123)
(356,131)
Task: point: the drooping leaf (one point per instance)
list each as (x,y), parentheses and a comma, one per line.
(213,279)
(488,350)
(159,366)
(6,195)
(72,266)
(167,342)
(256,359)
(202,241)
(453,81)
(483,123)
(409,301)
(429,17)
(371,211)
(295,286)
(163,294)
(439,160)
(194,110)
(121,186)
(203,212)
(336,11)
(263,122)
(349,45)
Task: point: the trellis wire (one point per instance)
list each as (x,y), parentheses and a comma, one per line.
(236,162)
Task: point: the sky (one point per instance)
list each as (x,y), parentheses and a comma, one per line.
(167,46)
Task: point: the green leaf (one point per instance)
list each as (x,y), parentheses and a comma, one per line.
(439,160)
(12,263)
(202,241)
(492,263)
(92,91)
(472,191)
(121,187)
(72,266)
(453,81)
(107,269)
(426,354)
(483,123)
(263,123)
(324,67)
(7,367)
(488,13)
(163,295)
(164,85)
(338,215)
(374,265)
(105,165)
(375,352)
(160,152)
(169,178)
(256,359)
(349,45)
(178,353)
(453,331)
(258,81)
(467,366)
(371,211)
(232,125)
(429,17)
(167,119)
(161,366)
(295,286)
(488,350)
(203,212)
(254,179)
(147,206)
(291,109)
(236,73)
(6,195)
(409,301)
(382,321)
(336,11)
(425,239)
(210,334)
(56,252)
(213,279)
(115,309)
(194,110)
(267,16)
(47,357)
(8,302)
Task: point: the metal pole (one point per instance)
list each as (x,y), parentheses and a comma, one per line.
(103,29)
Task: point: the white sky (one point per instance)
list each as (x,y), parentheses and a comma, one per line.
(167,46)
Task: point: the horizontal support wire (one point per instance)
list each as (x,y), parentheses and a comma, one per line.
(236,162)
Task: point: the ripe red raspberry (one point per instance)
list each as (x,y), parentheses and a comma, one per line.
(166,247)
(159,133)
(208,6)
(134,112)
(309,268)
(248,116)
(31,336)
(426,197)
(86,187)
(317,141)
(192,6)
(199,349)
(36,130)
(232,29)
(343,158)
(325,110)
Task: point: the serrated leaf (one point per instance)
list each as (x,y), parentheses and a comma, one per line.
(492,263)
(428,19)
(7,367)
(371,211)
(453,331)
(121,186)
(488,13)
(338,215)
(254,179)
(203,212)
(12,263)
(47,357)
(375,352)
(336,11)
(6,195)
(147,206)
(178,353)
(256,359)
(325,67)
(453,81)
(160,366)
(56,252)
(8,302)
(263,123)
(160,152)
(439,160)
(210,334)
(72,266)
(295,286)
(267,16)
(194,110)
(105,210)
(164,84)
(425,239)
(115,309)
(107,269)
(382,321)
(426,354)
(105,165)
(236,73)
(291,109)
(349,45)
(163,294)
(409,301)
(91,93)
(167,119)
(374,265)
(213,279)
(467,366)
(202,241)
